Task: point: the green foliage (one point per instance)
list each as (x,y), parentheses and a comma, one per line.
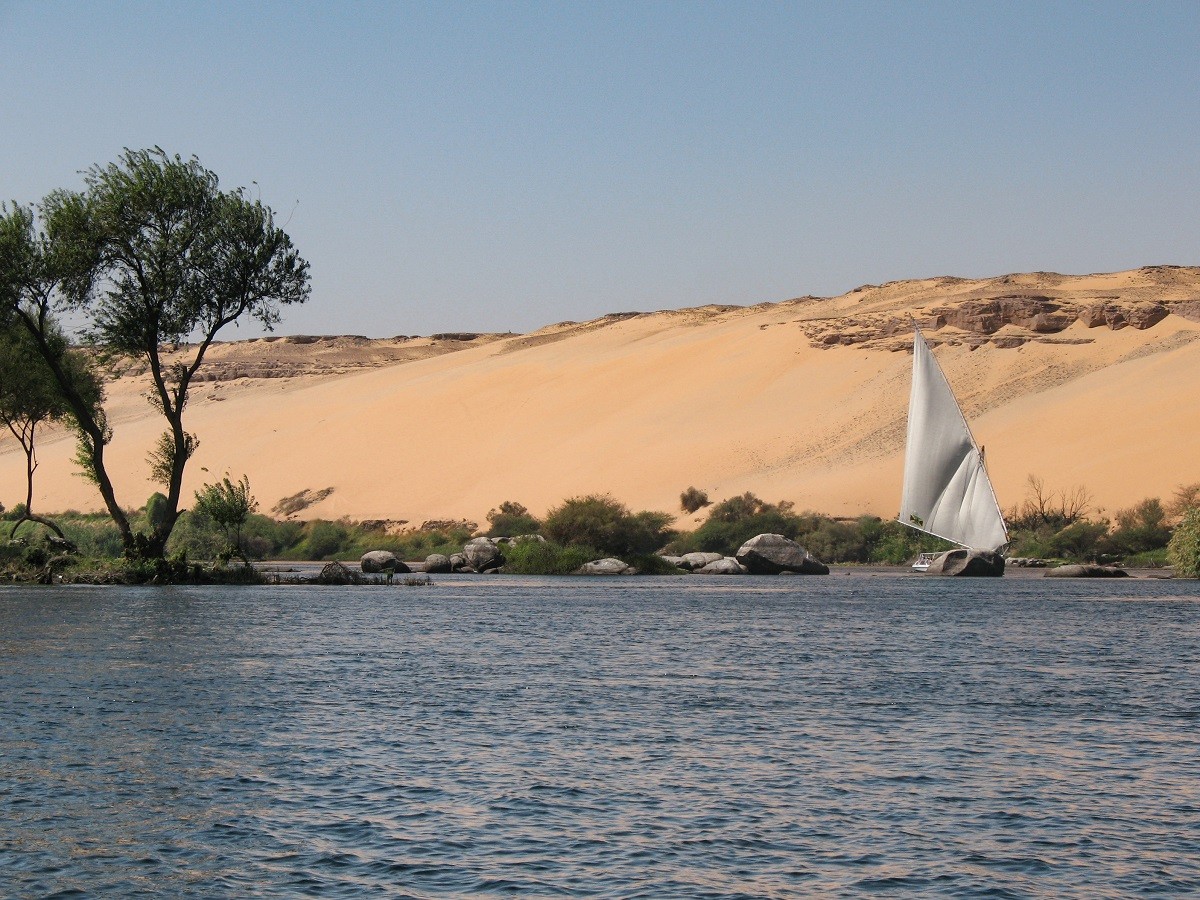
(1139,529)
(162,457)
(607,525)
(693,499)
(734,521)
(546,558)
(511,519)
(156,509)
(150,253)
(1184,549)
(28,392)
(228,503)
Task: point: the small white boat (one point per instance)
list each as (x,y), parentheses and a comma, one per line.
(947,492)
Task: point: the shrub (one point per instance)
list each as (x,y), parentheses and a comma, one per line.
(1184,549)
(1139,529)
(693,499)
(323,540)
(606,525)
(546,558)
(510,520)
(734,521)
(1080,540)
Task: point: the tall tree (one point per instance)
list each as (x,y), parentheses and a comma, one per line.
(152,253)
(30,397)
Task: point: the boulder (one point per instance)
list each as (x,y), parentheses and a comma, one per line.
(609,566)
(458,563)
(967,564)
(1085,571)
(672,561)
(335,573)
(726,565)
(694,561)
(375,561)
(483,553)
(770,554)
(437,563)
(520,539)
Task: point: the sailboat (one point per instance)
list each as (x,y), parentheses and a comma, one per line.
(947,492)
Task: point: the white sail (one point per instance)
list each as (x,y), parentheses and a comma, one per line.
(946,488)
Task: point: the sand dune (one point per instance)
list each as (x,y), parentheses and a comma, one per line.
(802,400)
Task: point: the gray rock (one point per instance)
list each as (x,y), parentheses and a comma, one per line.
(726,565)
(375,561)
(335,573)
(770,554)
(672,561)
(694,561)
(609,566)
(437,563)
(458,563)
(1026,562)
(967,564)
(520,539)
(1086,571)
(483,553)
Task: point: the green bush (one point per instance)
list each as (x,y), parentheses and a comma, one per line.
(1184,549)
(511,519)
(734,521)
(1139,529)
(606,525)
(546,558)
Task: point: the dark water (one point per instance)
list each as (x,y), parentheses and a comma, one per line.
(656,738)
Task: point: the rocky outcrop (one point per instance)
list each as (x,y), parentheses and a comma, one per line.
(770,554)
(458,563)
(1003,320)
(437,564)
(694,561)
(1085,571)
(483,553)
(726,565)
(608,566)
(967,564)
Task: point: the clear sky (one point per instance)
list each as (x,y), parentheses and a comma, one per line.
(501,166)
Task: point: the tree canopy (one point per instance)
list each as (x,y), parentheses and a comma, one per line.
(150,254)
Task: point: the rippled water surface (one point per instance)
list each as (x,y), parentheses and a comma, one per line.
(776,737)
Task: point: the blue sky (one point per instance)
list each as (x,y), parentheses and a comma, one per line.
(501,166)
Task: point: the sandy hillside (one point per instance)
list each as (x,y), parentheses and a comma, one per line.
(1088,380)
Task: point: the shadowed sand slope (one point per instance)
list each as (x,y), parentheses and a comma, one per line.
(1086,380)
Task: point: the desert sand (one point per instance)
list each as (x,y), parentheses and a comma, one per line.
(1081,380)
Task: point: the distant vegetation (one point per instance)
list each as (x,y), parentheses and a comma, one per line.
(1049,525)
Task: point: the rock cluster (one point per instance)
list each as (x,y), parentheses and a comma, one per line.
(1007,320)
(1026,562)
(1085,571)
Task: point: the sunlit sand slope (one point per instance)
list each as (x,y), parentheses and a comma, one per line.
(1088,380)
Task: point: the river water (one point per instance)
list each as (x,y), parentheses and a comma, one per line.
(635,737)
